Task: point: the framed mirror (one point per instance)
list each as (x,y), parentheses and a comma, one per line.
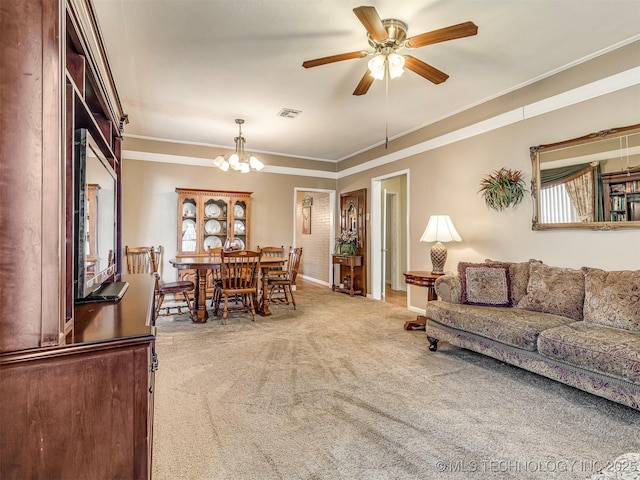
(590,182)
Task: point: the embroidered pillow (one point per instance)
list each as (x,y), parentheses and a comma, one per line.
(519,277)
(612,298)
(555,290)
(485,284)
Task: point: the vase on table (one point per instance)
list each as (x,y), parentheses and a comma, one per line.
(347,248)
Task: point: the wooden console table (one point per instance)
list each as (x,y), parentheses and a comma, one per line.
(356,285)
(422,279)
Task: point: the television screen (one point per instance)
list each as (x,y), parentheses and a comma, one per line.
(94,216)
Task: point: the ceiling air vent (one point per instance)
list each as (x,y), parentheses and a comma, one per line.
(289,113)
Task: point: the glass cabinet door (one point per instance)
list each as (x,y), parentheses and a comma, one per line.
(189,232)
(240,223)
(214,224)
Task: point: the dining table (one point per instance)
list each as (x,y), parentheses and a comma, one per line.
(205,263)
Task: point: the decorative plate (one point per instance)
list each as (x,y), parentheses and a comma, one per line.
(235,244)
(238,211)
(238,226)
(212,210)
(212,226)
(189,225)
(188,210)
(212,242)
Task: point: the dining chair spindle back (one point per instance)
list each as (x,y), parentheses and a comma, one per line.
(146,260)
(238,285)
(281,284)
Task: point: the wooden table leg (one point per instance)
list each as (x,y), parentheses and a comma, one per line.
(418,324)
(201,297)
(263,306)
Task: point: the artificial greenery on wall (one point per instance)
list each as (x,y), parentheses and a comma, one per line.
(503,188)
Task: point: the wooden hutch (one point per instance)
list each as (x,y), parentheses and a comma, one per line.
(350,271)
(76,381)
(209,219)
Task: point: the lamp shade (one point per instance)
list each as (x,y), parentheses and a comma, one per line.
(440,229)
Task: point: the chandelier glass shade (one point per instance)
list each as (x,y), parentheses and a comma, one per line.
(383,62)
(239,160)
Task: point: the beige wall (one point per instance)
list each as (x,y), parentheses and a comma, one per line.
(446,181)
(149,212)
(443,180)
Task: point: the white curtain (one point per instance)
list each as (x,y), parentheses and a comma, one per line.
(580,191)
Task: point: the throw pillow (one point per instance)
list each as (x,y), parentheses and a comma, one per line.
(519,276)
(485,284)
(555,290)
(612,298)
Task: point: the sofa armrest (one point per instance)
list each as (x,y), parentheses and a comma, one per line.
(449,288)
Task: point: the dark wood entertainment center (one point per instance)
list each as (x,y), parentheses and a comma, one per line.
(76,381)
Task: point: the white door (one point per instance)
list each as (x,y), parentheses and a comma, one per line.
(383,250)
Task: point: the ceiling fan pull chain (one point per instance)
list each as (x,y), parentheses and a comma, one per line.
(386,105)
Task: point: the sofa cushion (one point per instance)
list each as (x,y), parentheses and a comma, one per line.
(612,298)
(484,284)
(594,347)
(519,275)
(555,290)
(512,326)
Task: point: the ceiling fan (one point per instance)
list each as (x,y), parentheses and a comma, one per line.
(388,36)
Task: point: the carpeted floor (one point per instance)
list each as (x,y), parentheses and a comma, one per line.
(338,390)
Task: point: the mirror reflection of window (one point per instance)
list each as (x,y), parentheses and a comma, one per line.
(575,180)
(556,206)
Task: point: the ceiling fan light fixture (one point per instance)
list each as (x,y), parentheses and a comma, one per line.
(376,66)
(379,64)
(396,65)
(239,160)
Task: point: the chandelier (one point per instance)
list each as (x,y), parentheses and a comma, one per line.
(239,160)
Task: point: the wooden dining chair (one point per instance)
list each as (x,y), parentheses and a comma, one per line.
(238,284)
(281,285)
(146,260)
(272,252)
(214,276)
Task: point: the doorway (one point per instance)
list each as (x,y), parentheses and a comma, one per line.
(390,237)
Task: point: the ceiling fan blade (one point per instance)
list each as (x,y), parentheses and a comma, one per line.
(365,83)
(371,21)
(334,58)
(461,30)
(424,70)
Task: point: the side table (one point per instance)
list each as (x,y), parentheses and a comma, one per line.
(422,279)
(354,264)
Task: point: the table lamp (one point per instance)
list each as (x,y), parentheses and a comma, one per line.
(439,229)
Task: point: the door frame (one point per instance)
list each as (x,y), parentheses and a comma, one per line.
(392,218)
(332,227)
(377,229)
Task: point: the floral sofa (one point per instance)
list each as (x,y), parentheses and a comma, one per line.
(580,327)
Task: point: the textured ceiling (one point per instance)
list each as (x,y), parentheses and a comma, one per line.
(185,69)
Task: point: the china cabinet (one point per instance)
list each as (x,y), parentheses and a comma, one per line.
(76,381)
(350,271)
(209,219)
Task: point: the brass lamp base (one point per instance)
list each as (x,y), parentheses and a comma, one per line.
(438,257)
